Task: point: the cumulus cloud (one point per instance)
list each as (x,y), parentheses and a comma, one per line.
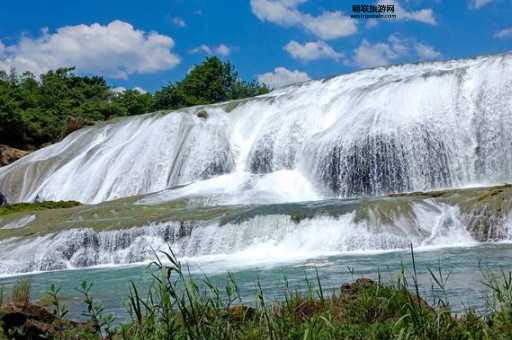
(115,50)
(371,55)
(122,89)
(221,50)
(281,76)
(140,89)
(312,51)
(425,15)
(328,25)
(391,50)
(179,22)
(476,4)
(502,34)
(426,52)
(119,89)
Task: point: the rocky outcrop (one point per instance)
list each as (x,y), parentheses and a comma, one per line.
(9,154)
(36,322)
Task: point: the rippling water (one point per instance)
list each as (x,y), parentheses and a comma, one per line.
(465,288)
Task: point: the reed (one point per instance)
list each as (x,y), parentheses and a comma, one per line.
(177,306)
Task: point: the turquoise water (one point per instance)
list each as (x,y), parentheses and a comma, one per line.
(465,288)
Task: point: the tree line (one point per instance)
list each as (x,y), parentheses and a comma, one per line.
(35,111)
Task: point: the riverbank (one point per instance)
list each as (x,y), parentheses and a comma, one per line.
(175,305)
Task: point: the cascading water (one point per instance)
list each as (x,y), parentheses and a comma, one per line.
(392,129)
(260,239)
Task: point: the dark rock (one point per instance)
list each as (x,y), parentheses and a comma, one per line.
(3,200)
(36,322)
(202,114)
(33,320)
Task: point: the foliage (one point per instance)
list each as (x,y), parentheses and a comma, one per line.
(212,81)
(176,306)
(37,111)
(52,297)
(95,312)
(20,294)
(38,206)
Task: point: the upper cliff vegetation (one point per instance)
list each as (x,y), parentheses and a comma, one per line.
(35,111)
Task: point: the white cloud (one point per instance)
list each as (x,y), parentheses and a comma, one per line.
(425,15)
(179,22)
(202,48)
(392,50)
(476,4)
(121,89)
(312,51)
(221,50)
(278,12)
(281,76)
(115,50)
(368,55)
(328,25)
(426,52)
(140,90)
(504,33)
(371,23)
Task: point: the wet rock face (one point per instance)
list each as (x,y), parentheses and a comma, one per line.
(9,154)
(3,200)
(381,164)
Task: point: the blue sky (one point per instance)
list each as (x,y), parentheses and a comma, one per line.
(146,44)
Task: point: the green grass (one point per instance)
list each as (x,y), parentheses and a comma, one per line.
(481,208)
(30,207)
(111,215)
(179,307)
(20,294)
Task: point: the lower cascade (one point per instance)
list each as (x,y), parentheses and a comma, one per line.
(259,234)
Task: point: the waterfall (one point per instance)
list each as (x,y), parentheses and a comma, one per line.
(292,174)
(262,238)
(388,129)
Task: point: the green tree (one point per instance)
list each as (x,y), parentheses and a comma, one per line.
(35,111)
(212,81)
(132,102)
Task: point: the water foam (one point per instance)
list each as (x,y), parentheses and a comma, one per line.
(394,129)
(260,240)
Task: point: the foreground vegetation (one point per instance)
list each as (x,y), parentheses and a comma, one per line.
(177,307)
(35,111)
